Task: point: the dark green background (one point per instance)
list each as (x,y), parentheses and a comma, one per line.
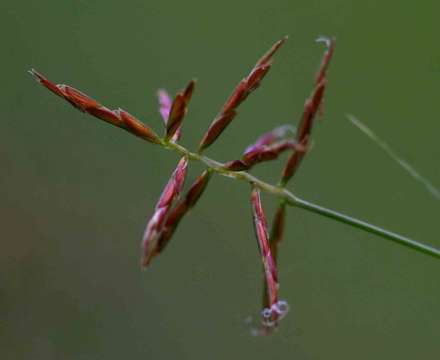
(75,193)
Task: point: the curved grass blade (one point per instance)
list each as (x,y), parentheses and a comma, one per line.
(434,191)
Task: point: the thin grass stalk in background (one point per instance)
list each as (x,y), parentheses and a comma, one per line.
(434,191)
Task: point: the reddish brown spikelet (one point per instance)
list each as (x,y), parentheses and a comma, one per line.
(270,137)
(189,90)
(178,110)
(293,162)
(258,154)
(46,83)
(78,99)
(260,226)
(267,58)
(311,107)
(151,234)
(237,97)
(173,188)
(89,105)
(155,226)
(270,152)
(137,127)
(276,237)
(216,128)
(197,188)
(173,221)
(175,185)
(103,113)
(255,78)
(322,72)
(86,104)
(240,93)
(177,113)
(236,165)
(325,62)
(182,208)
(180,175)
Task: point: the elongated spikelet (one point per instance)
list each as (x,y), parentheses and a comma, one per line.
(177,111)
(262,153)
(240,93)
(137,127)
(276,236)
(156,223)
(86,104)
(182,208)
(267,147)
(260,226)
(312,106)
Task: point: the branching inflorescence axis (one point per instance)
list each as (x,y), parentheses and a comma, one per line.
(173,204)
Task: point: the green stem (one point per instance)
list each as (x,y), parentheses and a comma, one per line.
(293,200)
(373,229)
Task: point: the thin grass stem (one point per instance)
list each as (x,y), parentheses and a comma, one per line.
(362,225)
(434,191)
(295,201)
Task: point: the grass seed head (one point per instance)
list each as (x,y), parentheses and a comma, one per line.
(171,207)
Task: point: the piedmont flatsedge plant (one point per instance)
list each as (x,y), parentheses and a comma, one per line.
(173,205)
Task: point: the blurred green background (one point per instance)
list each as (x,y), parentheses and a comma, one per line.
(76,193)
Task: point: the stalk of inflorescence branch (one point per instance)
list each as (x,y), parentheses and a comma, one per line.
(288,198)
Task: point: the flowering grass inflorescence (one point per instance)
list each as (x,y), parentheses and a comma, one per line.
(172,206)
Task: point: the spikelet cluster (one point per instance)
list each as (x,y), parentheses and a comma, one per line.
(174,203)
